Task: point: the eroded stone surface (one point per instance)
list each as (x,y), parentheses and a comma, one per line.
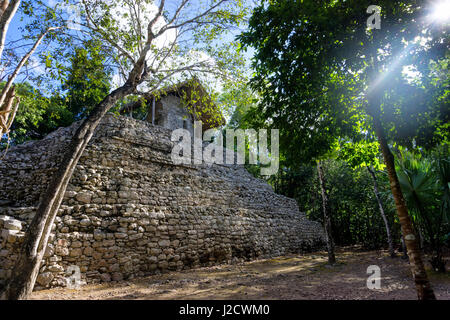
(129,211)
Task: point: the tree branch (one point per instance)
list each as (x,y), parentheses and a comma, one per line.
(13,76)
(7,12)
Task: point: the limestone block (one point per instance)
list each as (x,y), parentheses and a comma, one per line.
(55,268)
(62,251)
(76,244)
(85,222)
(120,235)
(84,197)
(4,253)
(75,252)
(117,276)
(49,251)
(164,243)
(105,277)
(99,235)
(12,224)
(45,278)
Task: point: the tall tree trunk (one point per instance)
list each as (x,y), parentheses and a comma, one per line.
(33,248)
(405,254)
(423,286)
(22,62)
(383,215)
(8,111)
(421,240)
(7,11)
(28,263)
(7,94)
(326,215)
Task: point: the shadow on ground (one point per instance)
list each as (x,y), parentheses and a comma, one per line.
(288,277)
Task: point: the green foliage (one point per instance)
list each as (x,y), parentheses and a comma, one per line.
(191,39)
(87,83)
(37,115)
(239,100)
(442,159)
(417,179)
(354,210)
(242,101)
(361,154)
(88,80)
(314,69)
(29,114)
(424,180)
(416,113)
(322,76)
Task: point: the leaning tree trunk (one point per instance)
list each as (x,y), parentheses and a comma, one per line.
(8,110)
(383,215)
(326,215)
(28,263)
(423,286)
(7,11)
(7,94)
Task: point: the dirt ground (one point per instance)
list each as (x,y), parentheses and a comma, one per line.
(303,277)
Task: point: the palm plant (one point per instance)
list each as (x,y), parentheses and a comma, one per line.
(443,165)
(424,182)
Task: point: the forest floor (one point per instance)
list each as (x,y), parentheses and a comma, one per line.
(289,277)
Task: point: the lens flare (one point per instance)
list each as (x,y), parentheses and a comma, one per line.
(440,12)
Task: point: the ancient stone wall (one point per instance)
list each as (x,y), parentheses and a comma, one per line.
(129,211)
(174,115)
